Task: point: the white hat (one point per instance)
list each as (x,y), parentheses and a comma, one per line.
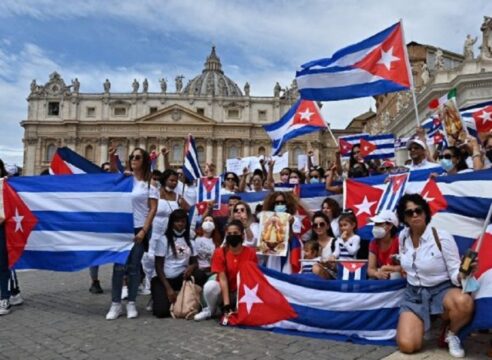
(12,169)
(415,141)
(385,216)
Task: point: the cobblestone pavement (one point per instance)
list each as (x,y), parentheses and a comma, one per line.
(60,319)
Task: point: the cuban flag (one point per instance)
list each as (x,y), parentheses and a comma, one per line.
(377,146)
(395,188)
(209,190)
(346,143)
(351,270)
(67,223)
(191,168)
(303,118)
(376,65)
(67,162)
(401,143)
(478,117)
(362,312)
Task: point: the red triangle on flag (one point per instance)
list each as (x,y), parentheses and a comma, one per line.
(353,265)
(388,60)
(438,137)
(307,113)
(259,303)
(366,147)
(345,147)
(209,183)
(58,166)
(397,181)
(362,199)
(483,119)
(19,222)
(434,196)
(484,253)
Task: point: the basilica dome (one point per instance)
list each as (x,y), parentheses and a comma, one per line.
(212,80)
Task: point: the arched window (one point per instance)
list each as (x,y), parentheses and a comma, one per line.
(296,152)
(201,154)
(261,150)
(89,152)
(178,153)
(50,151)
(233,152)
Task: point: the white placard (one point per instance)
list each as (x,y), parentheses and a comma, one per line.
(235,166)
(302,162)
(280,162)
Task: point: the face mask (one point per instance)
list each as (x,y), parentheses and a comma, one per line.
(208,226)
(168,189)
(378,232)
(281,208)
(446,164)
(234,240)
(314,181)
(179,233)
(488,154)
(294,181)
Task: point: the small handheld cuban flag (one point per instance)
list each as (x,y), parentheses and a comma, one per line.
(395,188)
(209,190)
(346,143)
(380,146)
(352,270)
(191,168)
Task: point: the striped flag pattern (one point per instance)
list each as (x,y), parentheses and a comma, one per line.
(191,168)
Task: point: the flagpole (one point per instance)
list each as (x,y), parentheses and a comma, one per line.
(409,69)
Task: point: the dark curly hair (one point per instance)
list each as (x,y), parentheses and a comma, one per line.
(290,201)
(329,231)
(418,200)
(178,214)
(333,205)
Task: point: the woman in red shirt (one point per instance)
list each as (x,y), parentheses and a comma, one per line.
(384,246)
(225,263)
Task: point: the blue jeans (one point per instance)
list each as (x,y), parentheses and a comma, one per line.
(131,269)
(4,266)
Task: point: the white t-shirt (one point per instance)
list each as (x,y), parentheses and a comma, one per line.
(189,193)
(335,227)
(349,248)
(141,194)
(424,164)
(327,251)
(174,265)
(204,248)
(161,219)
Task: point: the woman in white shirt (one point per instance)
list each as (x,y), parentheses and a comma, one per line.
(206,242)
(431,261)
(242,212)
(144,201)
(175,261)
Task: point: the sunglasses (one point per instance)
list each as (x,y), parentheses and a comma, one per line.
(230,179)
(240,210)
(411,212)
(445,156)
(284,174)
(281,202)
(319,225)
(136,157)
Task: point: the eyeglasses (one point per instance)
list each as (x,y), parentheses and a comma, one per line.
(230,179)
(445,156)
(319,225)
(240,210)
(280,202)
(411,212)
(136,157)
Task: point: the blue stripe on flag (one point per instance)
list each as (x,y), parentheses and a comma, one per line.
(284,119)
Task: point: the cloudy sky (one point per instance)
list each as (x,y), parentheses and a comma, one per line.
(258,41)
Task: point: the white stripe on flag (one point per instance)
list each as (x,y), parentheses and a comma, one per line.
(78,241)
(74,169)
(336,79)
(485,290)
(456,224)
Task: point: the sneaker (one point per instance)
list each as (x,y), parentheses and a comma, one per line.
(454,345)
(96,288)
(4,307)
(124,293)
(149,306)
(131,310)
(203,315)
(16,300)
(143,290)
(114,312)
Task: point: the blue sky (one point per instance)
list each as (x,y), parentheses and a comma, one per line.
(259,42)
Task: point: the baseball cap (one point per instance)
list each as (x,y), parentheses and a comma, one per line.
(415,141)
(385,216)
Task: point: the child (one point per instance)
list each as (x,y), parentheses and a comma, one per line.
(311,253)
(348,241)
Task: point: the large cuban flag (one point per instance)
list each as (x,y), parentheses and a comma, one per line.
(374,66)
(68,222)
(66,162)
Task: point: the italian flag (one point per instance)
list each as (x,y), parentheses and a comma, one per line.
(434,104)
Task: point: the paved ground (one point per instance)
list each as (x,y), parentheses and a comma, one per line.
(62,320)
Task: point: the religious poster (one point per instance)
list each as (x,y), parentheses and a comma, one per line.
(274,234)
(452,122)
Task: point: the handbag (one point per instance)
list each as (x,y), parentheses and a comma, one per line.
(187,303)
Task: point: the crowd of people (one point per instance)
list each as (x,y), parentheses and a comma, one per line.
(168,248)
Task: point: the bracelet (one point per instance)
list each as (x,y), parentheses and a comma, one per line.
(476,155)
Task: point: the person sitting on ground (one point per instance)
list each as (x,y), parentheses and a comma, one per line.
(226,261)
(384,247)
(348,241)
(329,249)
(206,242)
(331,208)
(431,261)
(310,250)
(175,262)
(242,212)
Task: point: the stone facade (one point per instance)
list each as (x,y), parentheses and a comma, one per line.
(225,121)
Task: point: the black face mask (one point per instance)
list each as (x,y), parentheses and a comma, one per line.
(489,155)
(234,240)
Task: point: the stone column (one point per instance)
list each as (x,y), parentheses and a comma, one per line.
(246,148)
(30,145)
(209,151)
(161,142)
(142,143)
(103,150)
(220,157)
(131,144)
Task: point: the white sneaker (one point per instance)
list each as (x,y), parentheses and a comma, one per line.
(124,293)
(131,310)
(114,312)
(203,315)
(16,300)
(149,306)
(4,307)
(143,290)
(454,345)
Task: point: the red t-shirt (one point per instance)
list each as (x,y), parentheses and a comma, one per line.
(384,256)
(230,265)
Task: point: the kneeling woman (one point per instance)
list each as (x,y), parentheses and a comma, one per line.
(175,261)
(225,263)
(431,261)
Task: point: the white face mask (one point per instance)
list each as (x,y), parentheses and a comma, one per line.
(208,226)
(294,181)
(378,232)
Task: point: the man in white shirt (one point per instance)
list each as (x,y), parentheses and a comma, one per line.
(417,150)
